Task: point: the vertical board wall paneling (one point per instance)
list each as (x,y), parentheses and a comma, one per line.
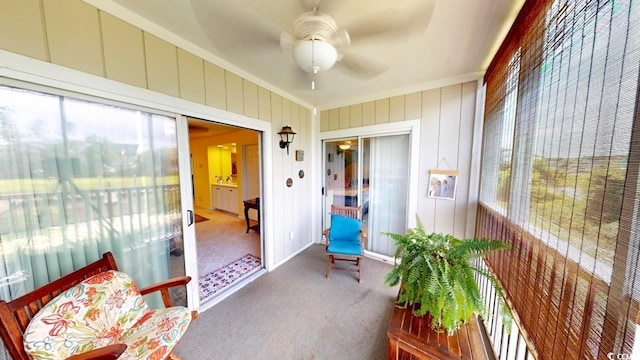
(264,104)
(250,92)
(304,185)
(78,36)
(413,106)
(344,118)
(467,119)
(356,115)
(448,148)
(381,111)
(23,17)
(235,98)
(396,108)
(73,34)
(334,119)
(324,121)
(368,113)
(191,77)
(297,200)
(123,51)
(287,168)
(162,65)
(429,130)
(215,86)
(278,181)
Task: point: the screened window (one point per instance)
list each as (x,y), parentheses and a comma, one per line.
(498,141)
(572,195)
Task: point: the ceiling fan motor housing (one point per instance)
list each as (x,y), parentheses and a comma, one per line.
(313,52)
(316,25)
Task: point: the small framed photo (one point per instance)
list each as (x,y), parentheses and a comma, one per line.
(299,155)
(330,157)
(442,184)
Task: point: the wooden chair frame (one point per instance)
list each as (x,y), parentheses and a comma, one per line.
(15,315)
(354,212)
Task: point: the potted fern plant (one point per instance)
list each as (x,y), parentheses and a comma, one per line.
(436,274)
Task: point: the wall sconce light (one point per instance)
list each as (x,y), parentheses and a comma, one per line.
(286,137)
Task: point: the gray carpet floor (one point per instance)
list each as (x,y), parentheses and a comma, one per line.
(294,312)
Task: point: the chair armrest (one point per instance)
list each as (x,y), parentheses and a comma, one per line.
(110,352)
(164,287)
(325,235)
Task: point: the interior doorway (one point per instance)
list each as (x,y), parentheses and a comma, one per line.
(227,246)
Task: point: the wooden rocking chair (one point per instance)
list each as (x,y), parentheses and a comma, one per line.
(24,318)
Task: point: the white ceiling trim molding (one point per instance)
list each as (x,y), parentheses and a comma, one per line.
(140,22)
(458,79)
(502,34)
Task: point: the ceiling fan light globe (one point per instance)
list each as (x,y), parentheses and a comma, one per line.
(314,55)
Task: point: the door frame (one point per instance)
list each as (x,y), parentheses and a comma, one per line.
(412,127)
(16,69)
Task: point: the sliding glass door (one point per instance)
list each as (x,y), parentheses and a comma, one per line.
(386,170)
(371,172)
(80,178)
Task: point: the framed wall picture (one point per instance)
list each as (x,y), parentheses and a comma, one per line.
(442,184)
(299,155)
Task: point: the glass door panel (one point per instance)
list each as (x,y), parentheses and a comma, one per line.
(81,178)
(341,175)
(371,172)
(384,190)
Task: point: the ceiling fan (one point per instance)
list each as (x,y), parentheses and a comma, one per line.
(315,39)
(317,42)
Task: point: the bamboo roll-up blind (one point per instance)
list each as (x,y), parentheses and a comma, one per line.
(561,156)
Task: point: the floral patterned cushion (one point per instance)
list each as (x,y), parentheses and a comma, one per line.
(102,310)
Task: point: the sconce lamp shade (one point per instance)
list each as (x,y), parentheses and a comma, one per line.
(314,55)
(286,137)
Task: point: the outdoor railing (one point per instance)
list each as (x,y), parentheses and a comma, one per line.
(507,345)
(82,224)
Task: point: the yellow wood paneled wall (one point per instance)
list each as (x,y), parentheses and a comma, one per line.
(398,108)
(447,118)
(76,35)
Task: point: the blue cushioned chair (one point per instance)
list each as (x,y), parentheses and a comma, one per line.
(345,243)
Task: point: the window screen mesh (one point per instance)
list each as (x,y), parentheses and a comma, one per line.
(560,174)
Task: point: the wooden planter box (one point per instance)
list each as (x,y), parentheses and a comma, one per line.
(411,337)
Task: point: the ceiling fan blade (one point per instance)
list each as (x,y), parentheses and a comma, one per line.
(242,24)
(393,22)
(341,39)
(312,4)
(286,40)
(361,65)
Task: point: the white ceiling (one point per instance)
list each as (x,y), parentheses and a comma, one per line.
(420,44)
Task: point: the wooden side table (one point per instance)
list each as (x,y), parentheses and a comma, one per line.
(411,337)
(252,204)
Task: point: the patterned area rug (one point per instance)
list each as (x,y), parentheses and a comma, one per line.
(217,280)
